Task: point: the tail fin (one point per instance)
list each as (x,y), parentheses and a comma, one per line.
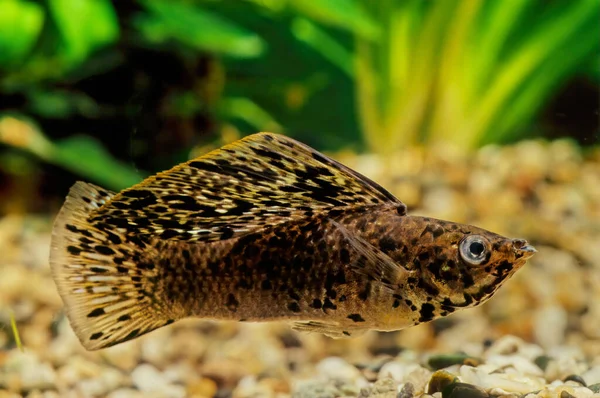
(108,293)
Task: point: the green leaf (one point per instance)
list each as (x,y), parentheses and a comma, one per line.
(320,41)
(87,157)
(197,28)
(535,91)
(20,26)
(540,49)
(82,155)
(61,104)
(251,113)
(345,14)
(593,68)
(84,25)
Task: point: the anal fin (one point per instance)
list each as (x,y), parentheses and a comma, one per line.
(329,329)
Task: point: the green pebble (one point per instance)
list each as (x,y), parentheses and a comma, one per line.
(445,360)
(542,361)
(595,387)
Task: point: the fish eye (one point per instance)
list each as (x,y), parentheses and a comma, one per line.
(473,249)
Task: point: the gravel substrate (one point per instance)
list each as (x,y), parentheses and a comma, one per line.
(538,337)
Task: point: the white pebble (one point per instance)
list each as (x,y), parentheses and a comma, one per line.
(149,380)
(592,375)
(110,379)
(514,383)
(336,368)
(397,370)
(126,393)
(27,370)
(550,325)
(522,365)
(419,378)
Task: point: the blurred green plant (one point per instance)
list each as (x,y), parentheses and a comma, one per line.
(333,73)
(49,45)
(199,29)
(20,25)
(469,72)
(80,154)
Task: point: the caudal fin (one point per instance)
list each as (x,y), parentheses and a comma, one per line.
(107,289)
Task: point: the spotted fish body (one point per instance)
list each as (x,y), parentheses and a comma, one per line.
(265,229)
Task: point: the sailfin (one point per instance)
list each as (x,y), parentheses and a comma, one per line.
(108,297)
(262,180)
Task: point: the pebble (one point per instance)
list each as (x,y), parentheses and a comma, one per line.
(443,361)
(123,356)
(314,389)
(108,380)
(407,391)
(512,382)
(550,325)
(519,363)
(419,378)
(77,368)
(148,379)
(383,388)
(592,375)
(335,368)
(25,371)
(126,393)
(464,390)
(440,380)
(208,388)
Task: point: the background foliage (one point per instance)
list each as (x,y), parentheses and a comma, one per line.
(99,89)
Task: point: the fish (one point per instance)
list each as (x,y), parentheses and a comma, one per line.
(265,229)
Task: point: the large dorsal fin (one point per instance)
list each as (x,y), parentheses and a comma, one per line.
(262,180)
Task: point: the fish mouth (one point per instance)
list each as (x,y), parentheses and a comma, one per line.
(523,248)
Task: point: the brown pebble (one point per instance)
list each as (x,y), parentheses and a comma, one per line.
(408,391)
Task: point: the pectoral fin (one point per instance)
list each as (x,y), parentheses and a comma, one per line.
(372,262)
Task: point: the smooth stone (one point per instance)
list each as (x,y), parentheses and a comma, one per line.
(149,380)
(592,375)
(25,371)
(463,390)
(441,361)
(336,368)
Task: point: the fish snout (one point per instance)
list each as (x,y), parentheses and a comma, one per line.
(523,248)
